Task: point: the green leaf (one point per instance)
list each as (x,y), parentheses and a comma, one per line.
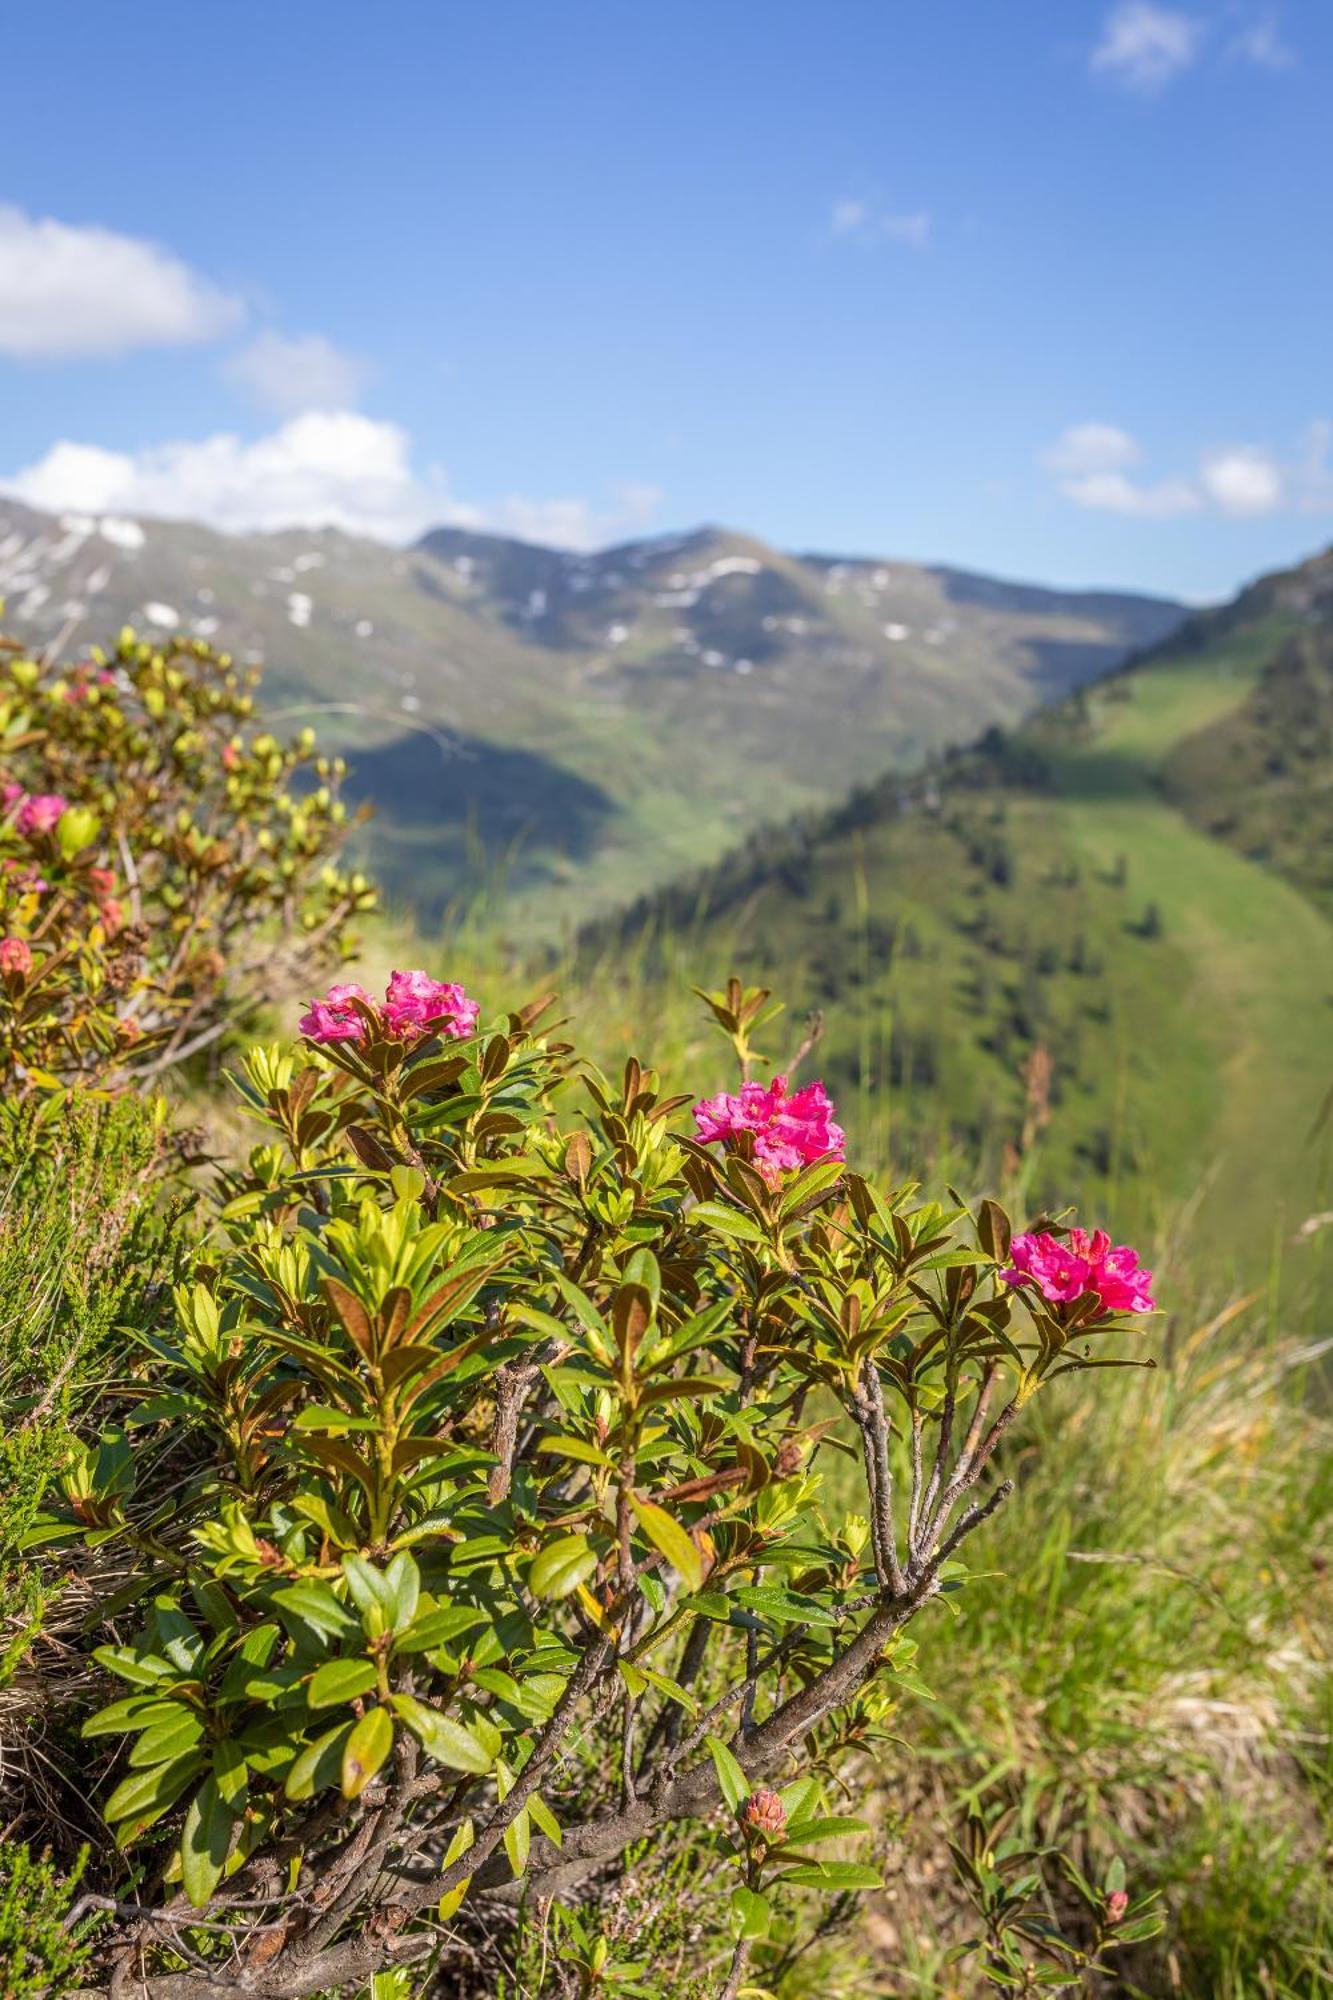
(832,1875)
(733,1781)
(319,1764)
(806,1832)
(76,829)
(671,1540)
(451,1901)
(340,1680)
(403,1583)
(446,1741)
(314,1604)
(205,1839)
(142,1670)
(782,1606)
(327,1418)
(367,1584)
(136,1711)
(437,1627)
(579,1448)
(517,1839)
(365,1750)
(727,1221)
(168,1739)
(145,1795)
(545,1820)
(559,1568)
(693,1387)
(752,1913)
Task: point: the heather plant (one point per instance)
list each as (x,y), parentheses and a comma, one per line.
(166,865)
(477,1513)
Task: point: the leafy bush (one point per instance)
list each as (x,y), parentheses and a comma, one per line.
(164,865)
(476,1508)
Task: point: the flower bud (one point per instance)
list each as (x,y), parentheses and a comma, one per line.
(764,1816)
(15,958)
(1116,1905)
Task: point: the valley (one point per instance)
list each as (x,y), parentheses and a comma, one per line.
(567,731)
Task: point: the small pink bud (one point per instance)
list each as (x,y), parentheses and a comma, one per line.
(15,958)
(764,1815)
(1116,1905)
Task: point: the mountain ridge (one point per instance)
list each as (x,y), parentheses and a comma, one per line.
(586,725)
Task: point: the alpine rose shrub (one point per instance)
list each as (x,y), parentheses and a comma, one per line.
(1064,1269)
(166,865)
(788,1132)
(473,1551)
(413,1004)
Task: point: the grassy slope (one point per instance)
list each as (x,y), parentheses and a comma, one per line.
(1261,776)
(1190,1052)
(1252,1026)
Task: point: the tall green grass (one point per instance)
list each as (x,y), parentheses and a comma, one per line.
(85,1251)
(1144,1670)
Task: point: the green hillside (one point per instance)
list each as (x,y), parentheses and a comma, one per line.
(1069,958)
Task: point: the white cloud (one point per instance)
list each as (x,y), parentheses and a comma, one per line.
(287,375)
(1144,46)
(1117,493)
(867,224)
(848,216)
(1091,448)
(1242,480)
(330,468)
(68,290)
(1261,44)
(1093,466)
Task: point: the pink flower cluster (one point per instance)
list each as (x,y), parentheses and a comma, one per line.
(41,813)
(38,814)
(789,1132)
(15,957)
(1067,1268)
(414,1002)
(413,1005)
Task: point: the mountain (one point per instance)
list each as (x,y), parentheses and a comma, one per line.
(1092,953)
(603,721)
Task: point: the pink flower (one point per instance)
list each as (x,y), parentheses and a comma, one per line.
(1117,1903)
(40,814)
(789,1132)
(15,957)
(1068,1269)
(414,1002)
(334,1018)
(10,794)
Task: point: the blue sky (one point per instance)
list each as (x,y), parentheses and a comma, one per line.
(1041,288)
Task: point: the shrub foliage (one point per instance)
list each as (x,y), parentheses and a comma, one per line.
(477,1513)
(164,864)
